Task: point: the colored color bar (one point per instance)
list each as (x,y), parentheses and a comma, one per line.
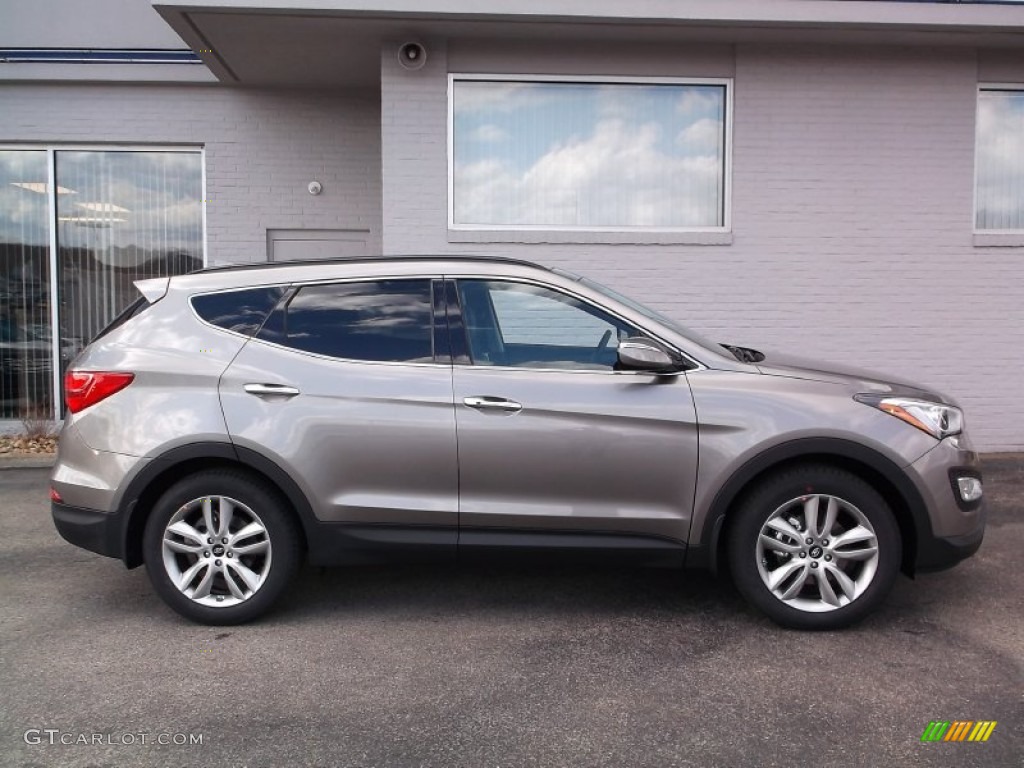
(953,728)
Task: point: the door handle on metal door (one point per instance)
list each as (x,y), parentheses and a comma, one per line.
(492,403)
(271,390)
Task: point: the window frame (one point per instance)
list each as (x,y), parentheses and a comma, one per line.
(990,236)
(639,232)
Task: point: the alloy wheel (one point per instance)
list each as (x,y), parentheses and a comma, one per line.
(817,553)
(216,551)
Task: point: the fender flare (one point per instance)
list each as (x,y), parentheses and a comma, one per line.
(705,553)
(133,519)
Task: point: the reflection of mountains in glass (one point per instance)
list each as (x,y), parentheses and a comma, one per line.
(24,269)
(145,260)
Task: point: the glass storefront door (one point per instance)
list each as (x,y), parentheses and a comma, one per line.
(112,217)
(26,349)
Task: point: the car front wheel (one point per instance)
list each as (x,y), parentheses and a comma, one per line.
(220,547)
(814,547)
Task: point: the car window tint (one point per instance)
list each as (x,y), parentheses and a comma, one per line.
(240,311)
(523,325)
(381,321)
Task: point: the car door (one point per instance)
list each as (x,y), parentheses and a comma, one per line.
(347,386)
(552,438)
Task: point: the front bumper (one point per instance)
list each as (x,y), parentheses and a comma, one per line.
(940,553)
(98,532)
(955,528)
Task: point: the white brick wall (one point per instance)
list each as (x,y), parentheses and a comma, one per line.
(852,194)
(262,149)
(852,210)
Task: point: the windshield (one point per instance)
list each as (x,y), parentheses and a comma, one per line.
(678,327)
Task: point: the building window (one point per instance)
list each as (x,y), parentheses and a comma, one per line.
(999,153)
(584,154)
(77,228)
(26,349)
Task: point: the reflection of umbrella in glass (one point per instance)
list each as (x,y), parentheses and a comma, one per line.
(42,187)
(96,220)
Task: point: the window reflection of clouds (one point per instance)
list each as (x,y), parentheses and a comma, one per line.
(132,215)
(534,315)
(159,195)
(23,209)
(588,155)
(368,311)
(1000,160)
(242,311)
(381,321)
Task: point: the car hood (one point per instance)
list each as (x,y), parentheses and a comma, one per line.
(860,379)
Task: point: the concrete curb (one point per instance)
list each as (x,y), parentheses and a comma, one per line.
(42,461)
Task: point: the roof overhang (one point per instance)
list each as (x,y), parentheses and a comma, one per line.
(337,43)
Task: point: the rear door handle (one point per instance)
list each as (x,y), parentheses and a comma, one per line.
(488,403)
(270,390)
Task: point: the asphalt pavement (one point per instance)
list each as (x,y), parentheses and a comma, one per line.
(480,667)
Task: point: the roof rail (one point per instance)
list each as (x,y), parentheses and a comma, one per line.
(367,259)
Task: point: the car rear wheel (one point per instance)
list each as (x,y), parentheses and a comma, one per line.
(814,547)
(220,547)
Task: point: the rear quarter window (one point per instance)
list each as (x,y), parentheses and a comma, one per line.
(241,311)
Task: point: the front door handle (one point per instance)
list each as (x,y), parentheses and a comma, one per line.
(487,403)
(270,390)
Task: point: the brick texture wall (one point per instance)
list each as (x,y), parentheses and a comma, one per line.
(851,207)
(851,196)
(262,150)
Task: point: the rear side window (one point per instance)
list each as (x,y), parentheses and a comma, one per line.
(240,311)
(377,321)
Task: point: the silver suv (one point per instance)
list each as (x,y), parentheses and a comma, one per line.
(236,421)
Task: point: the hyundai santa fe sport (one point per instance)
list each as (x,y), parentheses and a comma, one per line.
(234,422)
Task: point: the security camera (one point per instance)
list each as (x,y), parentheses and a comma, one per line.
(412,55)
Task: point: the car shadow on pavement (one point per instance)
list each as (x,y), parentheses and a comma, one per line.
(508,591)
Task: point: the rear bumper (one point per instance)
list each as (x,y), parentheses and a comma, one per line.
(90,529)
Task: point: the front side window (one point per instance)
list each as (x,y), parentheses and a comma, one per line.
(529,326)
(1000,160)
(580,154)
(378,321)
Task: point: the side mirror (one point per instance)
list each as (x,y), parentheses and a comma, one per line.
(639,354)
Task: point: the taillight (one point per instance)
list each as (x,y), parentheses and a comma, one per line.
(85,388)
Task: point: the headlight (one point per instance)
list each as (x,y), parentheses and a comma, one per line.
(936,419)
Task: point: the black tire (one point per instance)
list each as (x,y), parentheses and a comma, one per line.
(789,487)
(278,564)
